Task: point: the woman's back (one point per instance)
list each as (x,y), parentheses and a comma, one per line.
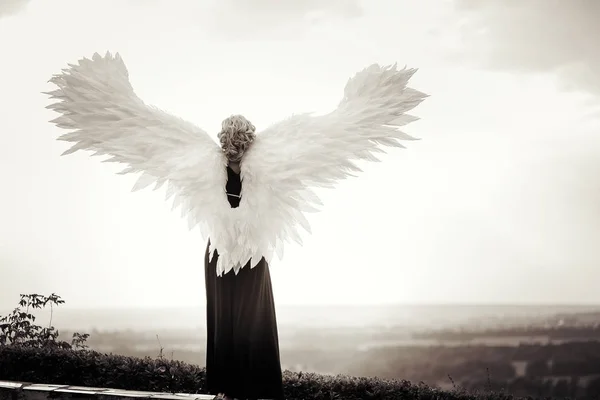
(242,355)
(233,187)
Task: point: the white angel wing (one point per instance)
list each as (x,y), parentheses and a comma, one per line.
(303,152)
(98,103)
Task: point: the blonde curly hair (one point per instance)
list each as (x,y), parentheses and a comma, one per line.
(237,134)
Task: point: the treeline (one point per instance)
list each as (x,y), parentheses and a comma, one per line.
(591,331)
(463,362)
(566,387)
(553,370)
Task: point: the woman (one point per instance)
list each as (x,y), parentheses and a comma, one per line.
(242,351)
(248,195)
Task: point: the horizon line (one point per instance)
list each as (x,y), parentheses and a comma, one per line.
(332,305)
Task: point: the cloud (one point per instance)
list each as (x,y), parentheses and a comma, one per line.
(277,17)
(547,36)
(11,7)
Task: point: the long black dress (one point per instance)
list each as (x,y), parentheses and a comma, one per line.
(242,351)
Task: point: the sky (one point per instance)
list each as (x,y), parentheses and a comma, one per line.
(499,202)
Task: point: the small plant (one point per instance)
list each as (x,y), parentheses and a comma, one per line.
(19,328)
(78,340)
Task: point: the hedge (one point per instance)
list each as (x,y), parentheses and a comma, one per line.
(53,365)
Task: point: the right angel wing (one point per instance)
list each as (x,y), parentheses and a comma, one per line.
(98,104)
(292,157)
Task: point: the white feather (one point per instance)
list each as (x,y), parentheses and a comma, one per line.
(304,152)
(98,104)
(279,171)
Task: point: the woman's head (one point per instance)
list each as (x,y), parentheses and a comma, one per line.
(237,133)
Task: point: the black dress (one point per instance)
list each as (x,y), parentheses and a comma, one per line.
(242,351)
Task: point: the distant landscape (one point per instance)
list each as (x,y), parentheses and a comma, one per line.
(524,350)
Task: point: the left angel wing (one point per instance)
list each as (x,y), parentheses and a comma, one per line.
(105,116)
(291,158)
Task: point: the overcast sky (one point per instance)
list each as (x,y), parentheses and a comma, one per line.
(498,203)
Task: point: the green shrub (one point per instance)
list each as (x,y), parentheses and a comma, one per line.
(90,368)
(55,365)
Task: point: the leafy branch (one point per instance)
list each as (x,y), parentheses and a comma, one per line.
(19,328)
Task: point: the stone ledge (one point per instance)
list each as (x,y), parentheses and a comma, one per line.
(36,391)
